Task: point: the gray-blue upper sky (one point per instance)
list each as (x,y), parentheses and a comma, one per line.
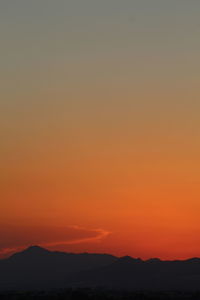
(99,119)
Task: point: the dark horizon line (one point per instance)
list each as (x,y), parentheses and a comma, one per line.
(41,248)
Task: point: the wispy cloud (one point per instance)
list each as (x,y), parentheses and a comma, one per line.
(17,239)
(99,235)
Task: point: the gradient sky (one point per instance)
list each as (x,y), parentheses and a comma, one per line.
(100,126)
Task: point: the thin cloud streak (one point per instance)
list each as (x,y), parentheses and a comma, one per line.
(99,234)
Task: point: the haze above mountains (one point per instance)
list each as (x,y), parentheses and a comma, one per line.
(39,268)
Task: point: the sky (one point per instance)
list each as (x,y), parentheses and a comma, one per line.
(100,127)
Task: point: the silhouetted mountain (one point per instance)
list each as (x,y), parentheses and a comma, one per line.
(33,252)
(38,268)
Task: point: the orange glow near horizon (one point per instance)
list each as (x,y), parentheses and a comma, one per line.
(100,127)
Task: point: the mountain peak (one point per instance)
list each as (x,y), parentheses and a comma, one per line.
(129,259)
(32,251)
(35,249)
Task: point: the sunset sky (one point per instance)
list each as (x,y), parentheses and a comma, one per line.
(100,126)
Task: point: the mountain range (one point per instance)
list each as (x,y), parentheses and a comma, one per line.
(39,268)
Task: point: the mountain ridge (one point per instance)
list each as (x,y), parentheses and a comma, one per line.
(39,249)
(38,268)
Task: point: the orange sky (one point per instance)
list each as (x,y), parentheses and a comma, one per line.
(99,116)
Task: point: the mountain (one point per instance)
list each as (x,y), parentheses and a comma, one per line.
(38,268)
(153,274)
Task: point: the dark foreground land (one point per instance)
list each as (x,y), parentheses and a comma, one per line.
(57,275)
(91,294)
(36,268)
